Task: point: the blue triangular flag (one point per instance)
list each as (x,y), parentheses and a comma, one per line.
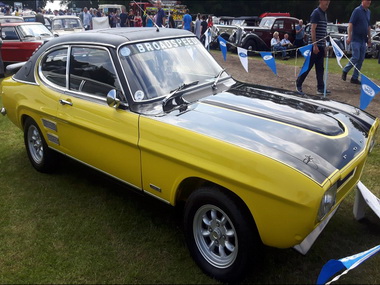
(269,60)
(306,52)
(334,266)
(223,47)
(368,92)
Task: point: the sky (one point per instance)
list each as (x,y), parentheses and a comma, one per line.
(54,6)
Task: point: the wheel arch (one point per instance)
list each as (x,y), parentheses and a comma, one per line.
(191,184)
(260,44)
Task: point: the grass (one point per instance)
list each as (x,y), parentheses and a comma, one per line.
(76,226)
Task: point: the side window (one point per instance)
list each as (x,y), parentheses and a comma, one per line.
(91,71)
(279,25)
(53,67)
(9,33)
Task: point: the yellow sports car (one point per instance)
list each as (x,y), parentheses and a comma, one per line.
(150,107)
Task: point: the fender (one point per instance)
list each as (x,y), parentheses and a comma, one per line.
(260,45)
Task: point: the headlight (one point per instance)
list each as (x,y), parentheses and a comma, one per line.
(328,201)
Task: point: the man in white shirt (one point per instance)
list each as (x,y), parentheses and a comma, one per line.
(86,19)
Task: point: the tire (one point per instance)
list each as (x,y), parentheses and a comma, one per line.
(250,46)
(221,238)
(41,157)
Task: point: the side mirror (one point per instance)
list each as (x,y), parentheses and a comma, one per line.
(112,99)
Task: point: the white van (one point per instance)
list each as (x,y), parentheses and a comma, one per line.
(108,8)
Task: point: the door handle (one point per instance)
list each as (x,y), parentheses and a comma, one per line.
(65,102)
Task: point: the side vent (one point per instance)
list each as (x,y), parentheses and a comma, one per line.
(53,138)
(49,124)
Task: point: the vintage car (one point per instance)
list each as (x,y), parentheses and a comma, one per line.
(20,40)
(10,19)
(32,18)
(62,25)
(338,32)
(258,38)
(226,26)
(250,164)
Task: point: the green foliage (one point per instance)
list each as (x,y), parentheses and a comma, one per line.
(339,10)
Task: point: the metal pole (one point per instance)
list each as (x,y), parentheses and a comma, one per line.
(327,69)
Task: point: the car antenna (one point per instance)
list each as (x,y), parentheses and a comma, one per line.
(154,23)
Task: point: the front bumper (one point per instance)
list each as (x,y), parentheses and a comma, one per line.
(306,244)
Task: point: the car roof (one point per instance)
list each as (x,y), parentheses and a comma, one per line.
(20,24)
(116,37)
(65,17)
(281,17)
(103,37)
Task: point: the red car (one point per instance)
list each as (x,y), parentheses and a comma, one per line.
(20,40)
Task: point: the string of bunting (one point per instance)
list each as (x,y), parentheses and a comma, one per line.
(368,88)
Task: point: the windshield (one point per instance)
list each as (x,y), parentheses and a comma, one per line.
(156,68)
(66,23)
(36,30)
(267,23)
(332,29)
(237,22)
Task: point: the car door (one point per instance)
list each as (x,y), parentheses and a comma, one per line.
(88,129)
(13,48)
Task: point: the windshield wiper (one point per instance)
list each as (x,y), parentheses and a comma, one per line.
(217,77)
(175,94)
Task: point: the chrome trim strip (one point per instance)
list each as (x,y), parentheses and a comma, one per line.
(154,196)
(66,90)
(25,82)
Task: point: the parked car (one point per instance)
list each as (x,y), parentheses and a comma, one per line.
(10,19)
(251,164)
(339,34)
(21,39)
(373,50)
(228,25)
(258,38)
(62,25)
(32,18)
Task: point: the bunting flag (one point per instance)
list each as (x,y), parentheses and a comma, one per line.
(243,56)
(269,60)
(207,35)
(338,52)
(368,91)
(306,52)
(223,47)
(334,266)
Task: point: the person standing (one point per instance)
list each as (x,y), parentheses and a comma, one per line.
(171,21)
(86,19)
(123,18)
(40,17)
(187,21)
(161,17)
(300,33)
(318,20)
(210,22)
(359,34)
(197,28)
(204,28)
(131,19)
